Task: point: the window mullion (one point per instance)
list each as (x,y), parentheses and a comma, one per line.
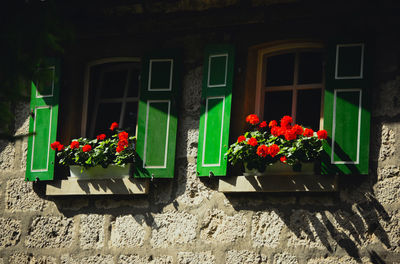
(295,82)
(123,106)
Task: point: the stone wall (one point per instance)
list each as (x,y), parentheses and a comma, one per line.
(186,220)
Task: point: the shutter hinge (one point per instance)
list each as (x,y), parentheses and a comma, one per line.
(211,174)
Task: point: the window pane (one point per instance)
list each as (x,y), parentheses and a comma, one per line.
(310,67)
(309,108)
(134,83)
(106,114)
(130,117)
(277,104)
(280,70)
(113,84)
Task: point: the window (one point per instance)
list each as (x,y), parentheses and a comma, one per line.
(291,82)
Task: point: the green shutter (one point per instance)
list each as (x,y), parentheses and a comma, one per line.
(43,122)
(347,109)
(215,110)
(158,115)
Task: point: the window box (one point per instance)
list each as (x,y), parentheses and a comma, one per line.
(98,172)
(307,168)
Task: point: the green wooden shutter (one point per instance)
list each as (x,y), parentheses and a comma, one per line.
(158,115)
(215,110)
(43,122)
(347,109)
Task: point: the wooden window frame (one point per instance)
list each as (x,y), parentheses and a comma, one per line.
(89,66)
(284,47)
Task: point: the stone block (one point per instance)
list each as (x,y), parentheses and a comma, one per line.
(117,203)
(388,140)
(387,99)
(391,230)
(192,90)
(196,258)
(388,172)
(96,259)
(266,228)
(307,229)
(10,232)
(128,259)
(173,228)
(336,260)
(22,119)
(23,258)
(245,257)
(218,227)
(92,231)
(189,137)
(7,155)
(72,203)
(50,232)
(284,258)
(191,191)
(20,196)
(388,191)
(128,231)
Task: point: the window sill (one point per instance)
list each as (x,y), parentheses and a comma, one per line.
(123,186)
(279,183)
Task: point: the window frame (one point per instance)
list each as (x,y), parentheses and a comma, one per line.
(284,47)
(88,68)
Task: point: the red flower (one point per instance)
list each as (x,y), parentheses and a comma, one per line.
(275,131)
(252,119)
(283,159)
(101,137)
(286,122)
(55,145)
(252,142)
(273,150)
(290,134)
(272,123)
(282,131)
(308,132)
(123,135)
(119,149)
(298,129)
(60,147)
(262,151)
(241,138)
(322,134)
(114,125)
(123,142)
(74,145)
(263,124)
(86,148)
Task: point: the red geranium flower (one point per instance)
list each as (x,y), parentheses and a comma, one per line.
(322,134)
(298,129)
(282,131)
(114,125)
(74,145)
(60,147)
(101,137)
(252,119)
(272,123)
(241,138)
(119,149)
(275,131)
(283,159)
(273,150)
(55,145)
(252,142)
(86,148)
(123,135)
(123,142)
(286,122)
(290,134)
(308,132)
(263,124)
(262,151)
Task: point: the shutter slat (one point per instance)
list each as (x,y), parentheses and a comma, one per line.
(157,118)
(347,110)
(43,122)
(215,110)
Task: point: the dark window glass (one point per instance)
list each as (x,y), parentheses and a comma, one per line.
(130,117)
(113,84)
(310,67)
(277,104)
(280,69)
(134,83)
(106,114)
(309,108)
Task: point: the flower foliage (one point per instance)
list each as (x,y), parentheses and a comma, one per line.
(118,148)
(285,142)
